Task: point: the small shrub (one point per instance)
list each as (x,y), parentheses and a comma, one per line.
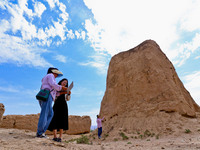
(82,140)
(129,143)
(187,131)
(157,136)
(124,137)
(138,132)
(153,134)
(147,133)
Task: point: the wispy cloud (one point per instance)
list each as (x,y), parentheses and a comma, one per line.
(23,31)
(60,58)
(130,23)
(189,21)
(15,50)
(197,57)
(99,61)
(192,84)
(80,35)
(185,50)
(9,89)
(51,3)
(18,89)
(39,8)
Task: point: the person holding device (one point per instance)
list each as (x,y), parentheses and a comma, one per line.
(60,108)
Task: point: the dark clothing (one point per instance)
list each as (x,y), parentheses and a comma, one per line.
(99,132)
(60,118)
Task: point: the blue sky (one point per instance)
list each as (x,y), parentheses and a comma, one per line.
(79,37)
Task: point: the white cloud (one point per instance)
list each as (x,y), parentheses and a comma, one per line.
(61,58)
(64,15)
(77,34)
(80,35)
(83,34)
(9,89)
(60,29)
(2,4)
(15,50)
(192,82)
(29,31)
(23,7)
(70,34)
(186,49)
(197,57)
(98,61)
(21,47)
(124,24)
(189,21)
(17,89)
(39,9)
(129,23)
(51,3)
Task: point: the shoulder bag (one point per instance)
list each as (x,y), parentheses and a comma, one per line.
(43,94)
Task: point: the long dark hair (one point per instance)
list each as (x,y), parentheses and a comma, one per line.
(62,81)
(50,70)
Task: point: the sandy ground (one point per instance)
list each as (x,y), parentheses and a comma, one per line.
(14,139)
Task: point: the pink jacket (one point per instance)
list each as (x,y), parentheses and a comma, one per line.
(99,122)
(49,82)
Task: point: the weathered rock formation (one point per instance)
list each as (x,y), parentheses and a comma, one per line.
(2,109)
(28,122)
(77,124)
(143,91)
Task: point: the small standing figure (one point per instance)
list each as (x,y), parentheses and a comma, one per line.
(99,126)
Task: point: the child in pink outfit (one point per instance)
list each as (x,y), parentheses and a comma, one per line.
(99,126)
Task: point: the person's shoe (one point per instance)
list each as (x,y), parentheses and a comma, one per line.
(55,139)
(42,136)
(59,140)
(37,135)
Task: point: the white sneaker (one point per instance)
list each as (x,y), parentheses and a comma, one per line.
(42,136)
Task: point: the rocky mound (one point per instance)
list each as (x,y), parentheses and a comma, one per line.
(2,109)
(77,124)
(144,92)
(28,122)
